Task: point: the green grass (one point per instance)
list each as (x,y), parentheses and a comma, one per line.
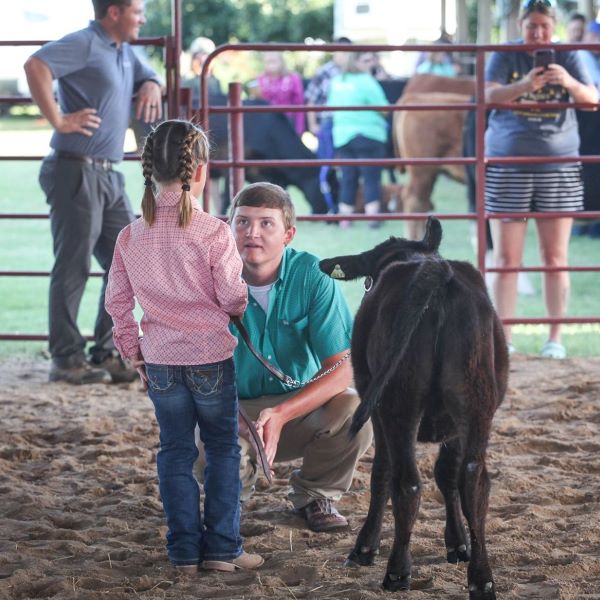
(26,245)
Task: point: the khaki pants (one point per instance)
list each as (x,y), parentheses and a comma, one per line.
(321,439)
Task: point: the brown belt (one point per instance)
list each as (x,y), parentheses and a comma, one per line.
(102,163)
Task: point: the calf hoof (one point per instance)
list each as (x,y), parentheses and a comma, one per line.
(364,558)
(487,593)
(459,554)
(396,583)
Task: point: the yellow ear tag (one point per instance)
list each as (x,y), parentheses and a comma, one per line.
(337,272)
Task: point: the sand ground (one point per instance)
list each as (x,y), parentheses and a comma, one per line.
(80,514)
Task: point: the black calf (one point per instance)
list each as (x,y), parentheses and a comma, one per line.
(431,365)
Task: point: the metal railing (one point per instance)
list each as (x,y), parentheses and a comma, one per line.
(236,164)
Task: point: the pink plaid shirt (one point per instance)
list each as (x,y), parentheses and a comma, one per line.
(188,282)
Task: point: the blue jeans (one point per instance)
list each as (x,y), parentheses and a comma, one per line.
(361,147)
(184,396)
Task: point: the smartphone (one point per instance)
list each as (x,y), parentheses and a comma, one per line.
(543,57)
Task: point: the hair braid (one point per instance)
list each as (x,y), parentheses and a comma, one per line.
(148,199)
(186,172)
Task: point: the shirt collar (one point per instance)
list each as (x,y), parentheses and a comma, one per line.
(172,198)
(101,32)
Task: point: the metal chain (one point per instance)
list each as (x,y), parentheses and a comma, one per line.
(295,383)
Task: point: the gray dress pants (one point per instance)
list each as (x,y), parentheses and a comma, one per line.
(88,209)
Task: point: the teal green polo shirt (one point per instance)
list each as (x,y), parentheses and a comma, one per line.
(357,89)
(307,320)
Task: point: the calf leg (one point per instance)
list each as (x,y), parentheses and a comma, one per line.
(367,542)
(406,497)
(474,488)
(446,476)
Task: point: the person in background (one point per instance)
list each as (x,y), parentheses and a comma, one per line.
(182,267)
(199,50)
(320,124)
(97,74)
(436,63)
(589,132)
(280,86)
(298,319)
(512,77)
(591,58)
(440,63)
(576,28)
(359,134)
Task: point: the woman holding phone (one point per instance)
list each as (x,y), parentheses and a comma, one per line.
(548,77)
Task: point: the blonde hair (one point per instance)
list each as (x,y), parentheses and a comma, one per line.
(172,152)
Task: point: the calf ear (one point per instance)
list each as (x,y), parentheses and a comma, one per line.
(433,234)
(331,267)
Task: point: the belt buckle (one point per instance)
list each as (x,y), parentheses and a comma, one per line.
(105,164)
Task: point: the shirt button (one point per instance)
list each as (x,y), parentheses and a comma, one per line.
(270,379)
(254,304)
(269,357)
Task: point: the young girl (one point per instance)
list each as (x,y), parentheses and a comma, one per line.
(183,268)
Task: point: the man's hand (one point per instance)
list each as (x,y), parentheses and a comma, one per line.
(83,121)
(148,104)
(269,425)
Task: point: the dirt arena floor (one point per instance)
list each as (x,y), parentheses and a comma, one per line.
(80,515)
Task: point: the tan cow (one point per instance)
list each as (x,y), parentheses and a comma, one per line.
(429,134)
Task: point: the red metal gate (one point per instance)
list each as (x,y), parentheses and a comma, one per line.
(237,163)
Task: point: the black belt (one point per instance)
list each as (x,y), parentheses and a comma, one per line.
(102,163)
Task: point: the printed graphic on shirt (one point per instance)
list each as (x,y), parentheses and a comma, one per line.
(548,94)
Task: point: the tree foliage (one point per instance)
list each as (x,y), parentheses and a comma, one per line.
(244,20)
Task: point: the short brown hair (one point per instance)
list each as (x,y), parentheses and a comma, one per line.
(101,6)
(267,195)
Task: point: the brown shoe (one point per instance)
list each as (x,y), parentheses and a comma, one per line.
(322,515)
(119,372)
(80,374)
(243,561)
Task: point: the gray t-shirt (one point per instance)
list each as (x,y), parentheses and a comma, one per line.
(533,132)
(93,73)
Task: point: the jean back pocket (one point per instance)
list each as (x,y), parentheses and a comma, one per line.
(206,380)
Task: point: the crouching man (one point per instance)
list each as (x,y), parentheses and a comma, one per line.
(299,321)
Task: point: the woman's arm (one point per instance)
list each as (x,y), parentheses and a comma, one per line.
(580,92)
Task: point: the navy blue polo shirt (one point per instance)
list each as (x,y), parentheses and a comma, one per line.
(93,73)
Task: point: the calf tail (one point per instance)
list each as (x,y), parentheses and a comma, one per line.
(424,294)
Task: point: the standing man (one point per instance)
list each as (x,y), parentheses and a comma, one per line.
(97,74)
(299,321)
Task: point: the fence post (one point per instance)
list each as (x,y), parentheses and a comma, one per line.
(480,164)
(236,139)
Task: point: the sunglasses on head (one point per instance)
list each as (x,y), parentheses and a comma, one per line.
(528,4)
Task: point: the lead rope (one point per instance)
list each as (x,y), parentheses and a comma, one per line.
(285,379)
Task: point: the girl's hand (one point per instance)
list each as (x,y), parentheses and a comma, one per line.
(139,365)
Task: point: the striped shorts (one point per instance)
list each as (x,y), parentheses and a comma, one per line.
(508,190)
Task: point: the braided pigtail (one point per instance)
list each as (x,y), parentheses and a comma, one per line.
(148,200)
(187,165)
